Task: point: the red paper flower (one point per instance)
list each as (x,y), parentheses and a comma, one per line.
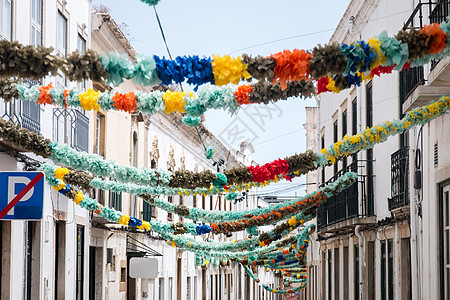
(322,85)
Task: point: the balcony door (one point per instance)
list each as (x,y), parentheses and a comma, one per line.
(445,240)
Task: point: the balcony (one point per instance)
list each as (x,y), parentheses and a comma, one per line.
(348,208)
(71,126)
(399,200)
(413,91)
(24,113)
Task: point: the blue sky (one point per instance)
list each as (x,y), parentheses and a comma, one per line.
(206,27)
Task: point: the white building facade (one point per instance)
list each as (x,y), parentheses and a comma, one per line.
(163,142)
(386,237)
(46,259)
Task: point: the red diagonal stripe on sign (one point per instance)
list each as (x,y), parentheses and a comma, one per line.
(19,196)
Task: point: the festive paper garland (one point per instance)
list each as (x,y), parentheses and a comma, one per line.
(292,166)
(355,61)
(227,98)
(55,174)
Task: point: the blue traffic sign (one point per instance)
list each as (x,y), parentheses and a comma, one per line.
(21,195)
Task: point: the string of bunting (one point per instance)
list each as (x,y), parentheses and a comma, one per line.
(301,243)
(54,177)
(243,177)
(228,98)
(245,218)
(355,62)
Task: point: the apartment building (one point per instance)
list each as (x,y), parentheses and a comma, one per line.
(46,259)
(385,237)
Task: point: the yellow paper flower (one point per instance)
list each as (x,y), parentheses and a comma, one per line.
(124,219)
(59,186)
(61,172)
(292,222)
(175,101)
(145,225)
(88,100)
(380,59)
(331,86)
(78,198)
(227,69)
(363,76)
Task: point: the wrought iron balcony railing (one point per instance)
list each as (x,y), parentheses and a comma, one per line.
(24,113)
(71,126)
(399,179)
(348,204)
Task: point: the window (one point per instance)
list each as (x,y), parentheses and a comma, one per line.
(344,132)
(387,269)
(81,47)
(170,215)
(345,275)
(330,268)
(188,289)
(383,270)
(194,201)
(5,19)
(170,287)
(71,127)
(337,273)
(161,289)
(61,46)
(181,203)
(356,271)
(115,200)
(99,147)
(369,152)
(444,237)
(36,22)
(203,202)
(335,139)
(390,246)
(354,122)
(153,164)
(147,211)
(322,145)
(211,202)
(80,262)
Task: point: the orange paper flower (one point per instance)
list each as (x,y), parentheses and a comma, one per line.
(242,94)
(44,97)
(125,102)
(437,38)
(291,66)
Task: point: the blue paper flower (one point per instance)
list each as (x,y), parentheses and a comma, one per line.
(202,229)
(134,222)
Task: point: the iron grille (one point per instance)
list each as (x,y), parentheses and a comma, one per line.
(27,114)
(348,204)
(399,179)
(70,126)
(410,78)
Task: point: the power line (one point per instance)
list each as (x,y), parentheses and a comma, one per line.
(312,33)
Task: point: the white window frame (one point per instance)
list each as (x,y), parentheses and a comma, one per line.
(61,50)
(4,35)
(81,47)
(36,25)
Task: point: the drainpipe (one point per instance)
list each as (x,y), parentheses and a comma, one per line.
(361,242)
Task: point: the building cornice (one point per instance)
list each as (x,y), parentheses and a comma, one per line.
(361,10)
